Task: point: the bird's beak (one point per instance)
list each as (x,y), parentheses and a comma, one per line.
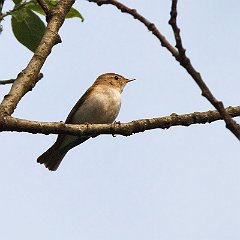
(130,80)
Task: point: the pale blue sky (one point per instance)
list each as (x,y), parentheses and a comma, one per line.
(182,183)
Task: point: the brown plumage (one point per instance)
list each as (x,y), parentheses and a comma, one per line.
(99,104)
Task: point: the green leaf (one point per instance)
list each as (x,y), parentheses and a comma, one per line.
(34,6)
(28,28)
(74,13)
(52,2)
(17,1)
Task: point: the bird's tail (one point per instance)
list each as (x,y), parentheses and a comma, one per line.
(52,157)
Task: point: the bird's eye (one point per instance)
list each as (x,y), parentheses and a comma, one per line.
(116,78)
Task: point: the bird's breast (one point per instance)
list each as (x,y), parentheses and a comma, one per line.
(101,106)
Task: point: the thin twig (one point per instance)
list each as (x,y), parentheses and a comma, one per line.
(151,26)
(1,5)
(186,63)
(15,9)
(45,8)
(125,129)
(1,14)
(4,82)
(10,81)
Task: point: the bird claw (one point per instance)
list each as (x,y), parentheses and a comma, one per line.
(115,122)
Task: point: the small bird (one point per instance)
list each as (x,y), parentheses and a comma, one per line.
(99,104)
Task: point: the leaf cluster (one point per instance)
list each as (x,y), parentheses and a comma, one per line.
(27,26)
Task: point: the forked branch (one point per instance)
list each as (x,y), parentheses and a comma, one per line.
(186,63)
(180,55)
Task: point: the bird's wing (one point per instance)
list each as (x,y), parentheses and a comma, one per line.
(61,137)
(78,105)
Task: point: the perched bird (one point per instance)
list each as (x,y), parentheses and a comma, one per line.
(99,104)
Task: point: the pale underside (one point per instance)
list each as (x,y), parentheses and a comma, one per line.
(101,107)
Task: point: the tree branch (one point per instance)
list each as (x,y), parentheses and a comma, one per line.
(1,14)
(10,81)
(179,55)
(15,9)
(44,6)
(150,26)
(1,4)
(186,63)
(4,82)
(125,129)
(27,78)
